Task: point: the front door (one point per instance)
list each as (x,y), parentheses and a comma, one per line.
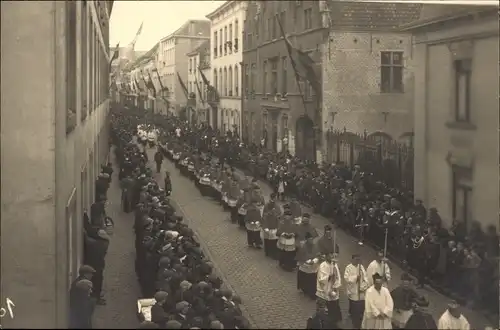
(274,134)
(305,146)
(215,117)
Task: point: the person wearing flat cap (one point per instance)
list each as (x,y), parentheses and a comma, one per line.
(102,185)
(148,325)
(96,247)
(421,318)
(182,309)
(403,296)
(453,319)
(85,272)
(216,325)
(173,324)
(158,314)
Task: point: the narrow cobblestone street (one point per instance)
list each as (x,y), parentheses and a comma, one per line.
(121,287)
(269,294)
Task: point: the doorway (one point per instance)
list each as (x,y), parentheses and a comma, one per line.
(305,146)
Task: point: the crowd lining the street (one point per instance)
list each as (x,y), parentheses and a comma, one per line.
(173,270)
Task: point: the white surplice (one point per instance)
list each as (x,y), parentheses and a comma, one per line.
(324,286)
(352,286)
(377,303)
(381,268)
(450,322)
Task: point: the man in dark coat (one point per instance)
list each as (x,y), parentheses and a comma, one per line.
(127,184)
(101,185)
(158,314)
(403,296)
(108,169)
(158,160)
(81,305)
(168,183)
(98,242)
(85,272)
(421,319)
(320,319)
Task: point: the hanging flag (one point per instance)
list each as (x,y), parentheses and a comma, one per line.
(302,63)
(139,89)
(139,31)
(144,80)
(199,90)
(115,55)
(183,86)
(258,9)
(151,85)
(132,43)
(159,80)
(204,78)
(212,93)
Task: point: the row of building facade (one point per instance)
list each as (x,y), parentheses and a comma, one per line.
(392,76)
(55,108)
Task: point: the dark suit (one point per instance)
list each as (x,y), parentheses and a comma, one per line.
(158,315)
(81,308)
(421,320)
(320,321)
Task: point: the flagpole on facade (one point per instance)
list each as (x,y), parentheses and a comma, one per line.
(297,78)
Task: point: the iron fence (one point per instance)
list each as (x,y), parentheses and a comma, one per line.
(390,161)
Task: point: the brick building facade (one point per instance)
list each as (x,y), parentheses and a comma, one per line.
(368,74)
(273,109)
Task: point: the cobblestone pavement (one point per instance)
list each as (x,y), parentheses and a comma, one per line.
(349,245)
(121,288)
(270,294)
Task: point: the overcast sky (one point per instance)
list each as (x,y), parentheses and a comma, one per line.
(160,19)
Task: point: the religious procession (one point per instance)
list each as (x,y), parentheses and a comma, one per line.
(278,226)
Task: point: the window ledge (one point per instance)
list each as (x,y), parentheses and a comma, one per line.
(461,125)
(392,93)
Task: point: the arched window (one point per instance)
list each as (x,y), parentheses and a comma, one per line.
(224,83)
(230,81)
(215,79)
(236,81)
(220,81)
(236,36)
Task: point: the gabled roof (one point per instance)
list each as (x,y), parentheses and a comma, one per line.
(205,45)
(218,10)
(372,15)
(434,13)
(148,56)
(184,30)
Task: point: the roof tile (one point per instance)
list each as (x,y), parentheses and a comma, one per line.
(373,15)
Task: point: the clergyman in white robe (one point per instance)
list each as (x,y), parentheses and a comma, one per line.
(378,266)
(378,307)
(448,321)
